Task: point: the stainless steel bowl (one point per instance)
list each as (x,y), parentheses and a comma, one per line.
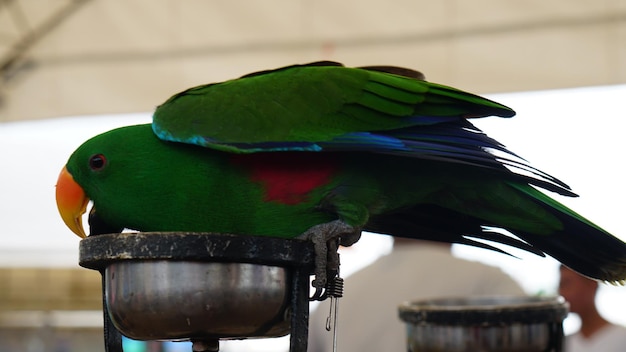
(164,299)
(498,324)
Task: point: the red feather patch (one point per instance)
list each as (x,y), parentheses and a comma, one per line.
(287,178)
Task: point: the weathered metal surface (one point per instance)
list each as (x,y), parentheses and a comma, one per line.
(96,252)
(496,324)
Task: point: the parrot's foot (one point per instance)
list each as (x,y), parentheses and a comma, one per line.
(326,239)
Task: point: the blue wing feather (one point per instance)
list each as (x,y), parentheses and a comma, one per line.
(457,142)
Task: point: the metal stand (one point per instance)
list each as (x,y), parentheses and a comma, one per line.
(557,337)
(98,252)
(112,336)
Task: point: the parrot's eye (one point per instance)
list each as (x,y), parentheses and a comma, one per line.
(97,162)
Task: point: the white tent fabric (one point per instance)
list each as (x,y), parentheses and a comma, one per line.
(74,57)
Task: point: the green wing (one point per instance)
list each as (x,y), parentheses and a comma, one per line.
(297,107)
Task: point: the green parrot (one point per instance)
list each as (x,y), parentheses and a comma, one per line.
(325,151)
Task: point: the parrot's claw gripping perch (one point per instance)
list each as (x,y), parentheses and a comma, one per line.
(326,239)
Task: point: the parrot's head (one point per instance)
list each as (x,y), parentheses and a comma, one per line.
(95,171)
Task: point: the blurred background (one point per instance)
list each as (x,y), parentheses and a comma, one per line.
(70,69)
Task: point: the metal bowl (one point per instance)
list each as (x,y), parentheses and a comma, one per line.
(498,324)
(164,299)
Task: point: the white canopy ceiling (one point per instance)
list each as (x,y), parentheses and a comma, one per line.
(70,57)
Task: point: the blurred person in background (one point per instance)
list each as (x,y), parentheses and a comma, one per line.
(596,333)
(415,269)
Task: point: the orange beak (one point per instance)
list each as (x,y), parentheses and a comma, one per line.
(71,202)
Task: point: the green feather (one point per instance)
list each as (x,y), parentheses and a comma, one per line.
(309,103)
(552,204)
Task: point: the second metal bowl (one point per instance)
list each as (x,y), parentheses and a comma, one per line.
(489,324)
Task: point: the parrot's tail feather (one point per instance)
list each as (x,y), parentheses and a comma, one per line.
(580,244)
(591,252)
(565,235)
(498,237)
(433,223)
